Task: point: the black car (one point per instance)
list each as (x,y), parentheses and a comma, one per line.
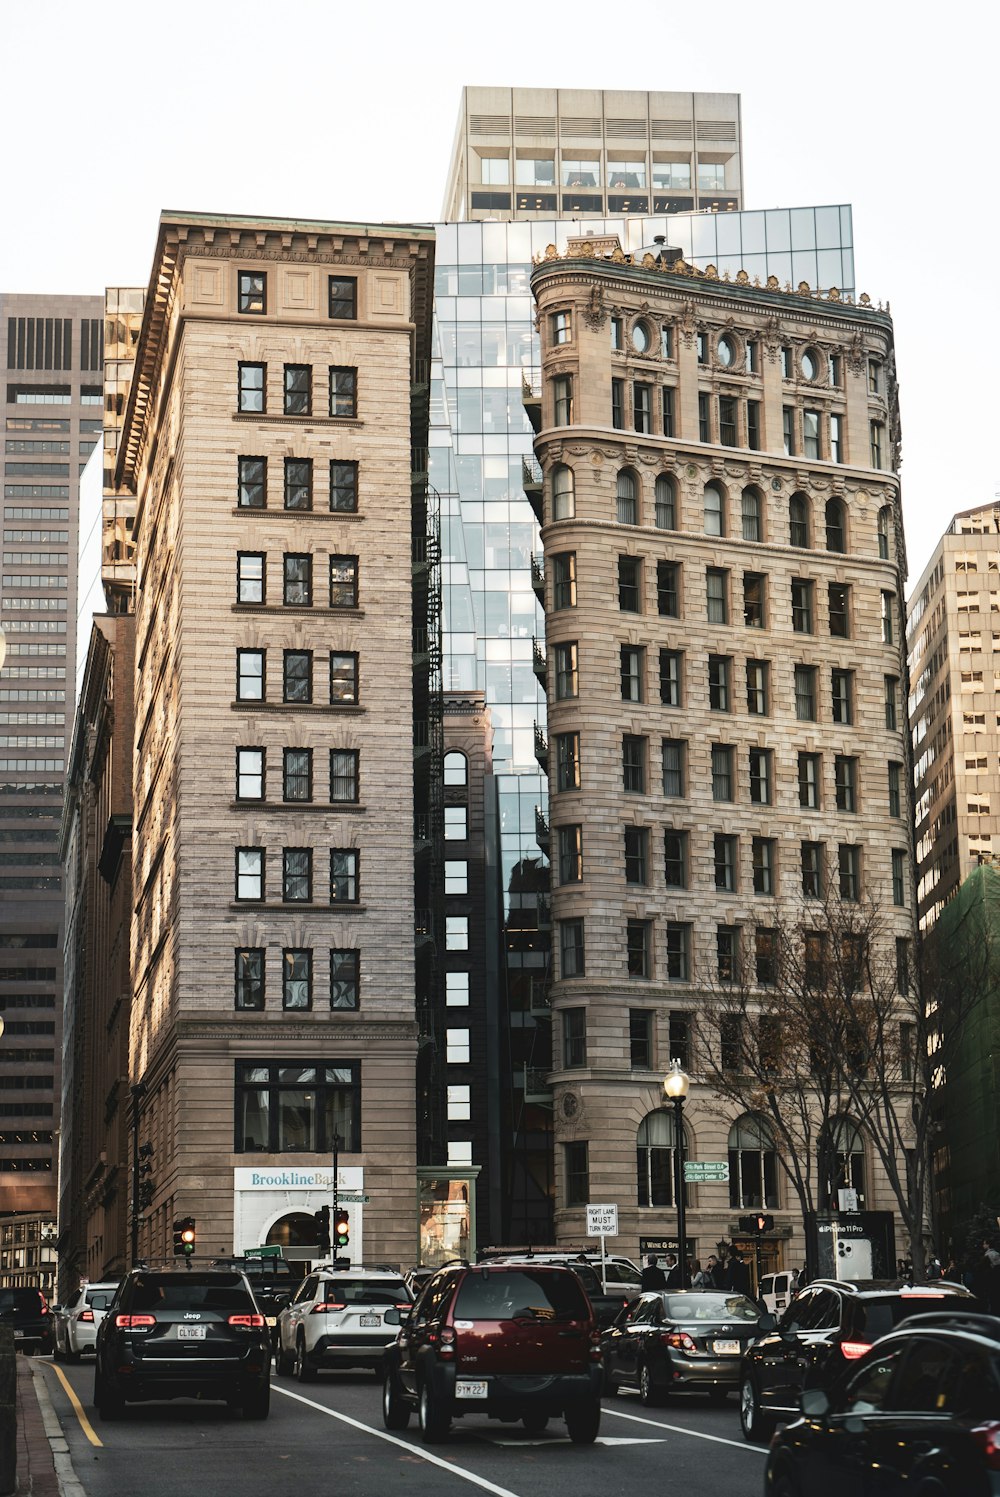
(916,1416)
(27,1310)
(667,1340)
(831,1324)
(183,1334)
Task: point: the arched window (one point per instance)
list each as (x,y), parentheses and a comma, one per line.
(715,510)
(563,493)
(884,524)
(456,768)
(753,1163)
(798,520)
(753,515)
(628,507)
(666,502)
(655,1144)
(836,525)
(841,1163)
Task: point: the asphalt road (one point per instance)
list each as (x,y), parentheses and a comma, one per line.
(327,1437)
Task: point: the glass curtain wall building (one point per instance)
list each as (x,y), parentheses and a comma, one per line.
(481,463)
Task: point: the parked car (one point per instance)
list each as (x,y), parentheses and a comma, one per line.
(74,1324)
(673,1340)
(337,1318)
(917,1414)
(831,1324)
(509,1341)
(27,1310)
(777,1290)
(183,1334)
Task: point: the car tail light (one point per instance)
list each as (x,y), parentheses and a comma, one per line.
(327,1305)
(134,1322)
(247,1322)
(87,1315)
(854,1349)
(403,1304)
(45,1303)
(446,1342)
(596,1349)
(680,1340)
(987,1437)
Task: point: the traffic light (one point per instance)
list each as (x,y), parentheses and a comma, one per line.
(755,1225)
(342,1229)
(322,1220)
(185,1236)
(765,1223)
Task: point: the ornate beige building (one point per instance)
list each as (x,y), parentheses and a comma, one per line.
(723,574)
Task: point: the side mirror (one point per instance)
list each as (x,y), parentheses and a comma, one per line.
(767,1323)
(814,1403)
(393,1316)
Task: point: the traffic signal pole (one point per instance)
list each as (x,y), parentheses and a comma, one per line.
(336,1179)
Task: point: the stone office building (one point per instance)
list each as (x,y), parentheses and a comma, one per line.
(723,573)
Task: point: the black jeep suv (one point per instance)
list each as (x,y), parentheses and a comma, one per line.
(183,1335)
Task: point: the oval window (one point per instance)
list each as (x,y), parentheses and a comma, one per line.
(640,337)
(727,352)
(810,363)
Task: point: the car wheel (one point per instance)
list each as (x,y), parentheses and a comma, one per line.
(535,1423)
(434,1420)
(305,1371)
(583,1421)
(109,1405)
(284,1361)
(257,1404)
(784,1485)
(395,1409)
(756,1425)
(647,1393)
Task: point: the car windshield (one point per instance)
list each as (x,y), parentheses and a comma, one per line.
(366,1292)
(222,1294)
(711,1307)
(519,1294)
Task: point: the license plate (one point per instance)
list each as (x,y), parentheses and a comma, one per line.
(271,1319)
(191,1332)
(370,1320)
(466,1388)
(726,1348)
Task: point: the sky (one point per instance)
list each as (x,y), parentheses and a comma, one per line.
(310,109)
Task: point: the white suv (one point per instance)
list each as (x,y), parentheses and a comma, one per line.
(340,1317)
(76,1322)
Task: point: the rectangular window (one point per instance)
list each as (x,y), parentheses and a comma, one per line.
(252,393)
(298,483)
(845,771)
(805,693)
(632,670)
(456,933)
(570,854)
(809,781)
(675,861)
(679,1033)
(642,407)
(344,775)
(753,600)
(898,876)
(456,823)
(717,595)
(849,858)
(757,687)
(671,678)
(250,675)
(678,951)
(722,772)
(617,405)
(811,435)
(298,389)
(571,952)
(704,418)
(296,874)
(343,487)
(296,978)
(633,764)
(719,671)
(701,346)
(630,584)
(668,411)
(760,776)
(888,623)
(567,673)
(344,875)
(343,582)
(250,977)
(673,767)
(753,424)
(562,395)
(802,605)
(456,876)
(250,774)
(728,436)
(902,965)
(788,429)
(560,328)
(766,955)
(343,298)
(617,334)
(640,1039)
(891,693)
(297,575)
(840,610)
(456,1047)
(837,438)
(574,1028)
(343,679)
(895,790)
(727,948)
(763,865)
(253,291)
(842,696)
(812,870)
(252,488)
(725,859)
(577,1173)
(250,577)
(297,774)
(568,761)
(343,391)
(638,935)
(299,1108)
(668,589)
(297,676)
(250,873)
(636,855)
(877,432)
(564,580)
(345,977)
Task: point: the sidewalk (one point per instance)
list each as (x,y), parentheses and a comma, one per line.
(36,1471)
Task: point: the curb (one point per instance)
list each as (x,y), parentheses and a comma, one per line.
(44,1464)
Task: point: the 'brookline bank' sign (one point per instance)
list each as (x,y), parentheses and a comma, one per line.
(351,1177)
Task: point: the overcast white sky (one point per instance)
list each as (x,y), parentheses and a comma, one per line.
(311,109)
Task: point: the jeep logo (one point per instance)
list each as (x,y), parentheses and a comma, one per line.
(192,1314)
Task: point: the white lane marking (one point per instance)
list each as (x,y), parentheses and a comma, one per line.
(696,1434)
(560,1440)
(414,1450)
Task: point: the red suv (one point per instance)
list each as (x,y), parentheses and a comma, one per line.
(505,1341)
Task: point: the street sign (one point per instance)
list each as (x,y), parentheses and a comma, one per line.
(263,1252)
(698,1171)
(352,1198)
(602,1221)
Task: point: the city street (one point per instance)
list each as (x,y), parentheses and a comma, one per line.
(333,1430)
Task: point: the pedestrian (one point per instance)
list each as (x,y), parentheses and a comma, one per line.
(673,1272)
(653,1276)
(986,1279)
(737,1274)
(700,1278)
(716,1272)
(934,1269)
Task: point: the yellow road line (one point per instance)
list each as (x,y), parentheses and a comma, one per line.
(85,1423)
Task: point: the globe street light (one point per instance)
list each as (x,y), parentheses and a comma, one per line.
(676,1085)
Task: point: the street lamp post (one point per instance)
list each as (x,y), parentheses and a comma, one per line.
(676,1085)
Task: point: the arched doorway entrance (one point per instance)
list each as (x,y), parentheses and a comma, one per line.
(297,1229)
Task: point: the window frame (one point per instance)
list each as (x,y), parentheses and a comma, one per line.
(348,876)
(250,978)
(297,401)
(351,981)
(296,682)
(243,775)
(296,875)
(343,392)
(247,394)
(292,977)
(338,298)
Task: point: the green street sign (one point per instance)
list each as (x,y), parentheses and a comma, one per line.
(263,1252)
(352,1198)
(700,1171)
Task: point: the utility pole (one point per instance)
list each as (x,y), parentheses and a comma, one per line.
(336,1180)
